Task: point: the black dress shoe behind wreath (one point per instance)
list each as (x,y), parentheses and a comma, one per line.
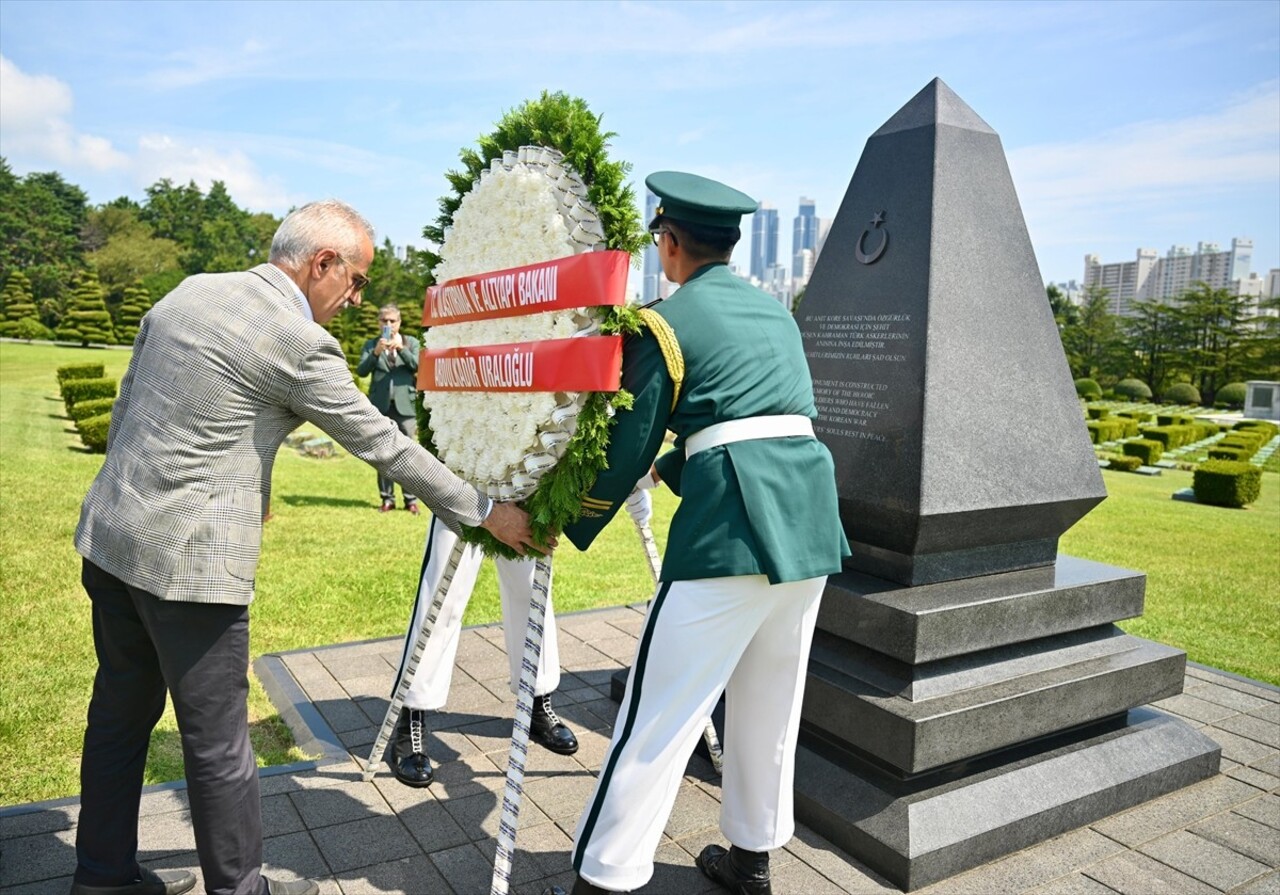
(547,730)
(149,882)
(741,872)
(409,761)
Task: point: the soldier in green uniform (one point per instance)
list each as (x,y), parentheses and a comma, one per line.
(749,549)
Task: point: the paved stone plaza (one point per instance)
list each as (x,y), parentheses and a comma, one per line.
(323,822)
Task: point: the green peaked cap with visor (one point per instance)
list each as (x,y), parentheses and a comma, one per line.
(699,200)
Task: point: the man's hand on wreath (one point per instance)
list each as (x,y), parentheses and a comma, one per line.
(510,525)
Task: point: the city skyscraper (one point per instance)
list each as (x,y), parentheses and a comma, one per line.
(804,235)
(764,240)
(651,285)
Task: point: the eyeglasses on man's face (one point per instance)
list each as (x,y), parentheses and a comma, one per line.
(656,234)
(359,282)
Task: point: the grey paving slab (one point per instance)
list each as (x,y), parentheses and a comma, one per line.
(1254,728)
(1243,835)
(415,874)
(1202,859)
(339,804)
(464,868)
(40,857)
(1254,777)
(1195,709)
(1132,873)
(32,822)
(1175,811)
(431,826)
(1267,885)
(1264,809)
(293,856)
(1074,884)
(361,843)
(1239,749)
(1224,696)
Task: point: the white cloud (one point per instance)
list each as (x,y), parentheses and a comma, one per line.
(34,112)
(1155,180)
(161,156)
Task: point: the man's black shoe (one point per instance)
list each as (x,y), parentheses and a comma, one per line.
(409,761)
(741,872)
(149,882)
(547,730)
(291,886)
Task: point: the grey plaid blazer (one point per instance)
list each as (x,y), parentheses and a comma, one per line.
(224,367)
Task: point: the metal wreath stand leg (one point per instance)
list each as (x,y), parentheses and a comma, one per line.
(655,569)
(511,795)
(411,664)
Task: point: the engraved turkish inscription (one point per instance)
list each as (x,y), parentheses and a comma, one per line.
(850,409)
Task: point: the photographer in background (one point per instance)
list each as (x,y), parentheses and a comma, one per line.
(392,358)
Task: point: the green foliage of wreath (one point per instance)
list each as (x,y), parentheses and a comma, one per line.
(564,123)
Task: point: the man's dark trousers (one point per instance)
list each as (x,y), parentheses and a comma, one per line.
(409,426)
(200,653)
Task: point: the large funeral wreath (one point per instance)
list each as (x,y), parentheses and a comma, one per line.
(540,186)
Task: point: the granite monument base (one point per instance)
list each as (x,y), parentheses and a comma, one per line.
(927,828)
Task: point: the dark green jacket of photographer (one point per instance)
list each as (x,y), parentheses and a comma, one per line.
(395,373)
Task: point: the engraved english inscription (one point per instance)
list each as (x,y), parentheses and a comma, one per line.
(850,409)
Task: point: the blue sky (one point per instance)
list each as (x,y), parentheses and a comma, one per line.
(1126,124)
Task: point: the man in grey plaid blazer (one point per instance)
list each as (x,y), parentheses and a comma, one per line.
(223,368)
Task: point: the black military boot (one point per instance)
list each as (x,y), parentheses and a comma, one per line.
(409,761)
(547,730)
(740,871)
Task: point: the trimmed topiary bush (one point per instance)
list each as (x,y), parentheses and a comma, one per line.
(1146,451)
(1125,463)
(1129,428)
(1182,393)
(1219,452)
(93,432)
(1267,428)
(1140,416)
(1103,430)
(92,407)
(1133,389)
(1097,413)
(1088,389)
(1231,395)
(77,390)
(81,371)
(87,320)
(1171,437)
(1226,483)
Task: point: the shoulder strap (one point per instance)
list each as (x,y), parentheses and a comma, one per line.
(669,346)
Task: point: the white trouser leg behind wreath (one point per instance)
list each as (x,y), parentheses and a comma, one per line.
(430,686)
(740,634)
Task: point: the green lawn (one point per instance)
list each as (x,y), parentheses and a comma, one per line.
(335,570)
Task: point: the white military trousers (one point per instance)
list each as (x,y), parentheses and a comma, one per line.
(430,687)
(741,635)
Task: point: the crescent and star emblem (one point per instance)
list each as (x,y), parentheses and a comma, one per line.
(870,258)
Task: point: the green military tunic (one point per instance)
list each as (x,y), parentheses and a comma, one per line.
(758,507)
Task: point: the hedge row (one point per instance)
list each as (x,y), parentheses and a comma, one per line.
(80,371)
(1267,428)
(1227,483)
(1145,450)
(93,432)
(92,407)
(77,390)
(1124,463)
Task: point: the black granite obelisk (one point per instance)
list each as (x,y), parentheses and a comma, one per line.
(969,693)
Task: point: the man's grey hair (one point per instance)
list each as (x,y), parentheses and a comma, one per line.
(390,306)
(327,224)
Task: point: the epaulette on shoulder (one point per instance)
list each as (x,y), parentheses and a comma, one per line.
(669,346)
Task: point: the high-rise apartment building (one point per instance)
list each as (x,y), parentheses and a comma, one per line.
(651,289)
(764,240)
(1150,277)
(804,236)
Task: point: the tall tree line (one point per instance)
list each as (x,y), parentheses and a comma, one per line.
(1207,337)
(62,258)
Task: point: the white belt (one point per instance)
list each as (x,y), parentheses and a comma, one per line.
(748,429)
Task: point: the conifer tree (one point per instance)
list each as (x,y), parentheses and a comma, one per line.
(136,302)
(18,303)
(87,319)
